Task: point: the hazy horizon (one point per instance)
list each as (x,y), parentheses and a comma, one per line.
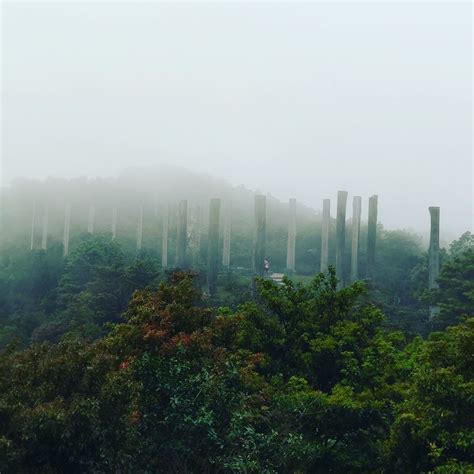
(296,100)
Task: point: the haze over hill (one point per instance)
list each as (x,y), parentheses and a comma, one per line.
(234,236)
(296,100)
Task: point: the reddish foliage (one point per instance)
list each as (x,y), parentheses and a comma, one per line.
(124,365)
(134,417)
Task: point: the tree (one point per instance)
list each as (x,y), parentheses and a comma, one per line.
(28,280)
(162,391)
(401,285)
(465,242)
(333,370)
(95,288)
(456,287)
(304,379)
(434,427)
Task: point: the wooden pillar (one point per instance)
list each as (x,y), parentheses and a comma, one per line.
(33,224)
(341,235)
(259,235)
(326,223)
(140,230)
(90,223)
(164,237)
(114,223)
(434,249)
(182,234)
(67,229)
(227,234)
(356,215)
(434,265)
(195,231)
(372,236)
(213,245)
(291,244)
(198,229)
(44,239)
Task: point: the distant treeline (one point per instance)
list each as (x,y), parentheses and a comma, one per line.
(36,292)
(153,191)
(43,295)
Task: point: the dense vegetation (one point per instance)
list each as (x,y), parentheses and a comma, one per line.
(110,363)
(301,378)
(304,379)
(43,295)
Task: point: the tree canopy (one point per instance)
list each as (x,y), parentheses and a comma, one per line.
(305,378)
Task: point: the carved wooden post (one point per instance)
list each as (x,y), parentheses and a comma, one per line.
(44,240)
(182,235)
(260,235)
(33,224)
(434,255)
(341,235)
(290,251)
(227,233)
(325,234)
(356,214)
(140,230)
(90,223)
(372,236)
(164,237)
(198,230)
(213,245)
(114,223)
(195,232)
(67,229)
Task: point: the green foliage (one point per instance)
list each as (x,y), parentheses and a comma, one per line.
(302,380)
(28,282)
(43,295)
(311,329)
(401,285)
(456,281)
(143,375)
(434,427)
(465,242)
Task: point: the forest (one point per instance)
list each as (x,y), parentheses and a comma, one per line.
(112,363)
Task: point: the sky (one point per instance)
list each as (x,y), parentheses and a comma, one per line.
(293,99)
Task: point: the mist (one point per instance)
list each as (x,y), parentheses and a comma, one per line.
(296,100)
(236,237)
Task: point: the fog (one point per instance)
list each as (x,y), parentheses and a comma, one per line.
(293,99)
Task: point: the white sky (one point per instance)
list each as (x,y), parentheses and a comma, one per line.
(295,99)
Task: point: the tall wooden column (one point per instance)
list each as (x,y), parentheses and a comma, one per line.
(182,234)
(341,235)
(195,232)
(67,229)
(198,230)
(326,223)
(434,265)
(372,236)
(164,237)
(44,239)
(291,244)
(33,224)
(227,234)
(213,245)
(114,223)
(259,235)
(356,215)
